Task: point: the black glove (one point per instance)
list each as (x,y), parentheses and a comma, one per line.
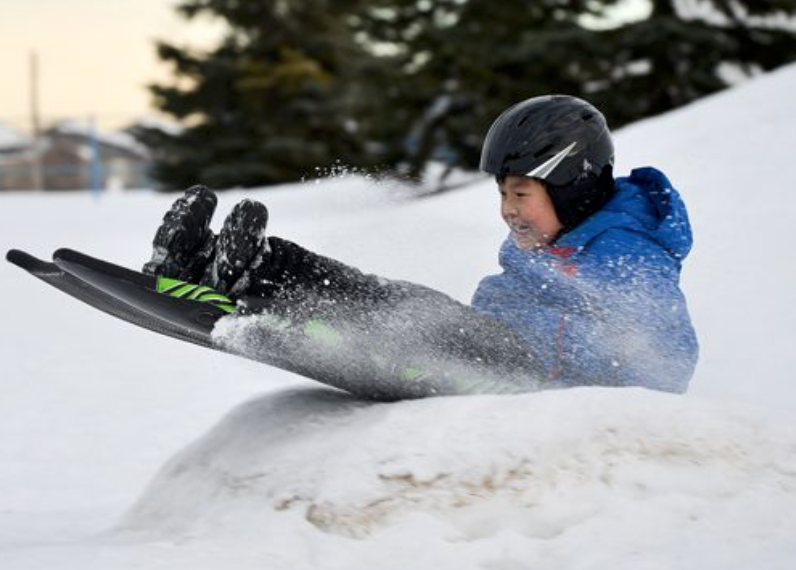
(242,261)
(185,248)
(240,249)
(184,244)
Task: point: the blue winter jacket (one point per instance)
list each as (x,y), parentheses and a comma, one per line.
(602,305)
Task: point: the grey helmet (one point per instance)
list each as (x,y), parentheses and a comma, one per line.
(563,141)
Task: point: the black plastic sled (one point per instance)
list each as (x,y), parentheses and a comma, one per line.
(376,361)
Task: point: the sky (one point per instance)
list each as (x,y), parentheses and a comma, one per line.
(95,56)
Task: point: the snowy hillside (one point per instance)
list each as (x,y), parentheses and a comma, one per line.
(124,449)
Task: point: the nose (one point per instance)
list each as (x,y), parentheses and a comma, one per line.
(508,206)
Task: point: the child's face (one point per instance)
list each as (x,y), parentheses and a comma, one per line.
(527,209)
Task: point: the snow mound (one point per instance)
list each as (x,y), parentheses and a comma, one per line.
(627,468)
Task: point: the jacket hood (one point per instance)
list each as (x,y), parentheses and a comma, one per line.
(644,202)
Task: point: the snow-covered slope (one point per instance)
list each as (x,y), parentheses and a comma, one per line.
(91,408)
(583,480)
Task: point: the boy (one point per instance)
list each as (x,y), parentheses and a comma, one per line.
(589,292)
(591,268)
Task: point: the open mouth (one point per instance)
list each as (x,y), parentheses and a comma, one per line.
(520,228)
(526,236)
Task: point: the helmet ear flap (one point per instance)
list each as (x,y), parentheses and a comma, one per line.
(577,201)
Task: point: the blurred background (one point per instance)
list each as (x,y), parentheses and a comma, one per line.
(107,94)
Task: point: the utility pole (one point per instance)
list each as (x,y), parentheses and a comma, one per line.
(37,179)
(95,166)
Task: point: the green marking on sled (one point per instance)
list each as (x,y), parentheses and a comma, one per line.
(411,374)
(167,284)
(321,332)
(200,293)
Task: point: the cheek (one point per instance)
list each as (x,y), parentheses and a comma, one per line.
(529,210)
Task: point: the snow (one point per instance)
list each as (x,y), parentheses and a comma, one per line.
(12,138)
(123,449)
(674,479)
(86,128)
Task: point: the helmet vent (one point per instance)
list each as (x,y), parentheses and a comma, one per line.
(545,149)
(587,116)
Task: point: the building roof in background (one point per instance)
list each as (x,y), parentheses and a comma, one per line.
(12,139)
(84,128)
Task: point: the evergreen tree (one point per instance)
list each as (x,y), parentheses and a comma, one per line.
(465,61)
(282,94)
(685,50)
(302,84)
(481,56)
